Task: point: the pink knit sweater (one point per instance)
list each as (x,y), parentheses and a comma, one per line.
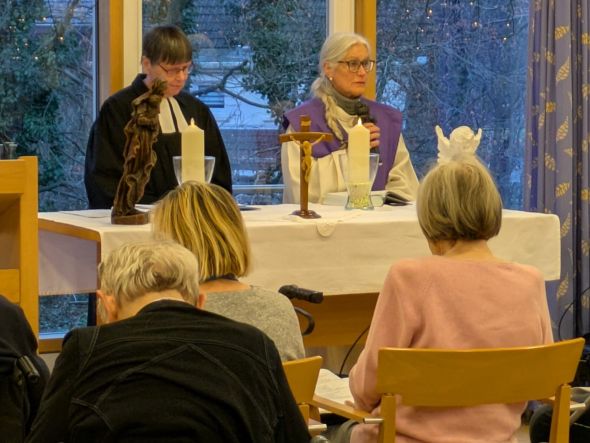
(439,302)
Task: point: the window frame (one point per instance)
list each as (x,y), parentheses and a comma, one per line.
(119,62)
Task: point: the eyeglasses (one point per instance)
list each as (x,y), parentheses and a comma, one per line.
(355,65)
(173,72)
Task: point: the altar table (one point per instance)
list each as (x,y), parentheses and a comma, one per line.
(345,254)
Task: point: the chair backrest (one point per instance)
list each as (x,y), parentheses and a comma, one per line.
(302,376)
(448,378)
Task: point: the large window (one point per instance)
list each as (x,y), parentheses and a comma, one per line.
(254,60)
(46,91)
(446,62)
(458,62)
(46,104)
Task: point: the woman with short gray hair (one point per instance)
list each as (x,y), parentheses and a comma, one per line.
(162,369)
(141,269)
(461,297)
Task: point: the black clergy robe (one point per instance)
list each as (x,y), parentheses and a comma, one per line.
(104,152)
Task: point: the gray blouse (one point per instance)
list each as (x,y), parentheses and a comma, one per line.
(266,310)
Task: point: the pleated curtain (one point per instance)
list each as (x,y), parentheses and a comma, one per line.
(558,136)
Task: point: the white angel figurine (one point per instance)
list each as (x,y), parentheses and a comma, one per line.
(461,141)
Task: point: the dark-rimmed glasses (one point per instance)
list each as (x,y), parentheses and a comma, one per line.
(355,65)
(173,72)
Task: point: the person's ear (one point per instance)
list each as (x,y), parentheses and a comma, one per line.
(146,64)
(108,309)
(201,299)
(328,70)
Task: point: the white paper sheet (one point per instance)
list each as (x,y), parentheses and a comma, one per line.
(333,387)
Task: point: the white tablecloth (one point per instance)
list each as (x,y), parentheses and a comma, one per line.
(344,252)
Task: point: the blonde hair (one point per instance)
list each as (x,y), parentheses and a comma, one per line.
(334,48)
(135,269)
(459,200)
(205,219)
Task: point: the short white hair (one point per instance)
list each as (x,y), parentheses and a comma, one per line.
(135,269)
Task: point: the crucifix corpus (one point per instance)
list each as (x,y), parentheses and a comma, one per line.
(305,139)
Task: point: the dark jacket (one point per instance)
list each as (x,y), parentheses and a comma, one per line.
(21,386)
(171,373)
(104,152)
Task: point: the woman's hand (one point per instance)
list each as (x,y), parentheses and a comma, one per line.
(375,133)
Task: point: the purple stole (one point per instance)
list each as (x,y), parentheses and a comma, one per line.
(387,118)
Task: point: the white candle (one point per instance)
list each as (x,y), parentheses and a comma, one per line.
(359,145)
(193,153)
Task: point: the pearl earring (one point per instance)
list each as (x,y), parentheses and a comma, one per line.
(330,78)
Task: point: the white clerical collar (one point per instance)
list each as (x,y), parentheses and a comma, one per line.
(169,105)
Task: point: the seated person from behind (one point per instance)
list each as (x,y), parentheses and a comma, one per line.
(167,55)
(162,369)
(18,348)
(206,220)
(335,108)
(462,297)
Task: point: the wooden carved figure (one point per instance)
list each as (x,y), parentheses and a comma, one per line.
(141,133)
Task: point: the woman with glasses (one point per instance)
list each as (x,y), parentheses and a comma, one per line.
(336,106)
(167,55)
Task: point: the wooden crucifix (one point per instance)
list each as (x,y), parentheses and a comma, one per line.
(305,139)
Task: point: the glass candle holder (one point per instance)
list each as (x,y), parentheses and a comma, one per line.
(359,192)
(209,167)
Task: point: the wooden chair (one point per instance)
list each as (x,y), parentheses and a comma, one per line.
(453,378)
(302,376)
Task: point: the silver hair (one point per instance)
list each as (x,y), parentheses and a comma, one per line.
(459,200)
(135,269)
(333,49)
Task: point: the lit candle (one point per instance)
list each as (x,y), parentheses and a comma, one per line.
(193,153)
(359,145)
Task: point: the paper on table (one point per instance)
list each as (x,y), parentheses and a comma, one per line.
(333,387)
(90,213)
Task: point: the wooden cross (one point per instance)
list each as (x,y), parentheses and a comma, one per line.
(305,139)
